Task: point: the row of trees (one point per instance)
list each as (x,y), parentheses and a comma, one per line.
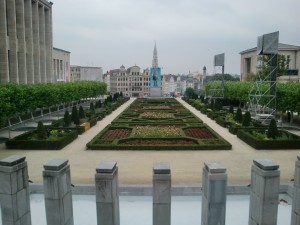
(287,93)
(20,98)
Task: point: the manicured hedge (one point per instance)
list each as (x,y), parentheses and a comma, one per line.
(21,142)
(246,136)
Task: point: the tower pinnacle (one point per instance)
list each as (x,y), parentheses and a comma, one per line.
(155,59)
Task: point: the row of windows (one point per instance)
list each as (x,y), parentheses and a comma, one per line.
(134,79)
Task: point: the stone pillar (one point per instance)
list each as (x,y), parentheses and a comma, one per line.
(48,46)
(296,195)
(36,42)
(42,43)
(12,40)
(161,193)
(29,41)
(4,71)
(214,185)
(58,194)
(264,192)
(107,195)
(14,191)
(22,72)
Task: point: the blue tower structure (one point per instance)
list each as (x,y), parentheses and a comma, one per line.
(155,76)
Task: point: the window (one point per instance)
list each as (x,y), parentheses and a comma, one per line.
(288,59)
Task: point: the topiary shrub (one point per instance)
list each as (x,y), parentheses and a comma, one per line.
(67,119)
(239,115)
(231,109)
(92,107)
(81,113)
(75,116)
(272,130)
(41,131)
(247,119)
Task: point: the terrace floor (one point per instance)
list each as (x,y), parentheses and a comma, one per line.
(135,167)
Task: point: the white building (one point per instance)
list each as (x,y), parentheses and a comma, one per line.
(86,73)
(61,65)
(291,52)
(131,82)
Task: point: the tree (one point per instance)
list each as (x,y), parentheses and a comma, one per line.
(81,112)
(226,76)
(92,107)
(231,109)
(74,116)
(121,94)
(239,115)
(247,119)
(67,119)
(272,130)
(191,93)
(266,62)
(41,131)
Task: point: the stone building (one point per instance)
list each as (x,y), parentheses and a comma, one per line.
(86,73)
(26,41)
(61,65)
(131,82)
(291,52)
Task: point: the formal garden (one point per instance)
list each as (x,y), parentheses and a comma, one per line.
(157,124)
(238,120)
(81,111)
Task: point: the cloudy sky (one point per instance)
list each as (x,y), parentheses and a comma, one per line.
(188,33)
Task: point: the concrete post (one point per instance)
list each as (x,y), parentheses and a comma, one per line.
(57,191)
(296,195)
(36,41)
(264,192)
(107,195)
(14,191)
(48,46)
(214,183)
(161,193)
(42,43)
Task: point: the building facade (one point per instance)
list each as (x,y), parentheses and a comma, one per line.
(26,41)
(249,62)
(61,65)
(131,82)
(86,73)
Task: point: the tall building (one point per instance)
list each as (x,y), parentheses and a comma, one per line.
(86,73)
(61,65)
(155,76)
(26,41)
(291,52)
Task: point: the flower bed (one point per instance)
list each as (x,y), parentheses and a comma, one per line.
(156,114)
(116,134)
(156,131)
(199,133)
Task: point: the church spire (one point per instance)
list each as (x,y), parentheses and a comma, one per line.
(155,59)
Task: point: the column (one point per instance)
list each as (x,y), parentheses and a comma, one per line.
(57,191)
(161,193)
(36,42)
(296,195)
(264,192)
(12,40)
(22,72)
(107,195)
(29,41)
(214,184)
(48,44)
(4,71)
(14,191)
(42,43)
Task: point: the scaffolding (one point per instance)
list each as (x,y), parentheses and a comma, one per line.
(262,95)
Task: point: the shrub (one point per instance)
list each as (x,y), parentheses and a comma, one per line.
(67,119)
(247,119)
(231,109)
(81,112)
(92,107)
(41,131)
(74,116)
(239,115)
(272,130)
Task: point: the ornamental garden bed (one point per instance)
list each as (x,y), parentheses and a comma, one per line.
(56,139)
(163,127)
(257,139)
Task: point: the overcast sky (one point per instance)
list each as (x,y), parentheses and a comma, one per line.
(188,33)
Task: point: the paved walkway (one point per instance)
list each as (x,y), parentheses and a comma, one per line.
(135,167)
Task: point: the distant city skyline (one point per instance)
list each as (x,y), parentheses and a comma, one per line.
(188,33)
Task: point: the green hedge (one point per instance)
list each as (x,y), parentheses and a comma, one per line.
(21,142)
(246,136)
